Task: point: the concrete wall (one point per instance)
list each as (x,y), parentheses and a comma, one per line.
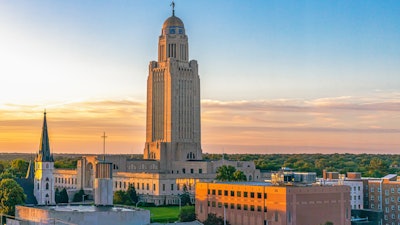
(86,215)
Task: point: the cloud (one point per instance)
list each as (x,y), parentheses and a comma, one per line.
(341,123)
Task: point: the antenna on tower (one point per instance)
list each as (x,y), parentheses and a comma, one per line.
(104,145)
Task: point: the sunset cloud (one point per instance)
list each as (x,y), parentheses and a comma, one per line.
(342,124)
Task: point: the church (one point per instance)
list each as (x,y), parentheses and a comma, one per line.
(172,157)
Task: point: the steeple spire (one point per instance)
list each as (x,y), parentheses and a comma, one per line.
(44,151)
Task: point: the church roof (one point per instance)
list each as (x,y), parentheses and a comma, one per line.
(28,186)
(44,151)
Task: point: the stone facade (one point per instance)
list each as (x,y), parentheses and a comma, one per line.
(173,100)
(172,156)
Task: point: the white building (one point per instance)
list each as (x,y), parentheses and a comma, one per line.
(354,181)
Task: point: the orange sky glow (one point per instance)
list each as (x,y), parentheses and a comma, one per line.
(344,124)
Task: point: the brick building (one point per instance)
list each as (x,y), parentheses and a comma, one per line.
(258,203)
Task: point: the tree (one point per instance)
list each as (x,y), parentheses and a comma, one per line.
(19,166)
(2,167)
(122,198)
(11,194)
(64,196)
(212,219)
(6,175)
(187,214)
(185,196)
(131,192)
(79,195)
(229,173)
(225,173)
(238,175)
(57,196)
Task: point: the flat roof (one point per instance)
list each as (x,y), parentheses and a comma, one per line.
(86,208)
(243,183)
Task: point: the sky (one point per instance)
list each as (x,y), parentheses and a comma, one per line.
(276,76)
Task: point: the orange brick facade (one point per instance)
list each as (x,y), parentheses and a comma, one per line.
(262,204)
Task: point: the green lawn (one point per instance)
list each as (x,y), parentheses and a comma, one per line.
(163,214)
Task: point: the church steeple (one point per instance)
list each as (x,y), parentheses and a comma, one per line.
(44,167)
(44,148)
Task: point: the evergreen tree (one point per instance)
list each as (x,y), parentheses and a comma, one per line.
(64,196)
(185,196)
(78,196)
(57,196)
(131,192)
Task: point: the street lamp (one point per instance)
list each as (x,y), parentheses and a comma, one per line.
(180,203)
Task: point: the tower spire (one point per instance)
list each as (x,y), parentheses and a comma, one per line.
(44,148)
(173,7)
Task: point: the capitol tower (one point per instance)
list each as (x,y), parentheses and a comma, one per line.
(173,100)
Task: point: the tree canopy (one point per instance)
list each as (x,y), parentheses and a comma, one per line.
(185,196)
(19,167)
(132,194)
(229,173)
(369,165)
(61,196)
(80,196)
(11,194)
(122,198)
(187,214)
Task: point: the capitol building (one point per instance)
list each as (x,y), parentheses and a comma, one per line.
(172,156)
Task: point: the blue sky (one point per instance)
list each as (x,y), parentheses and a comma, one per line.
(266,49)
(55,53)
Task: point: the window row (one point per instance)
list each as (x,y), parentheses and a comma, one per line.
(237,193)
(62,180)
(392,190)
(245,207)
(191,171)
(387,200)
(146,186)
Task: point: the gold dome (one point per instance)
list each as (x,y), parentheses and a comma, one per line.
(173,21)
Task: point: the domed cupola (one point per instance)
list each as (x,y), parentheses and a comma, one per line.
(173,42)
(173,25)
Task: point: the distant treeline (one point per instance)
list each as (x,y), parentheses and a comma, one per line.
(369,165)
